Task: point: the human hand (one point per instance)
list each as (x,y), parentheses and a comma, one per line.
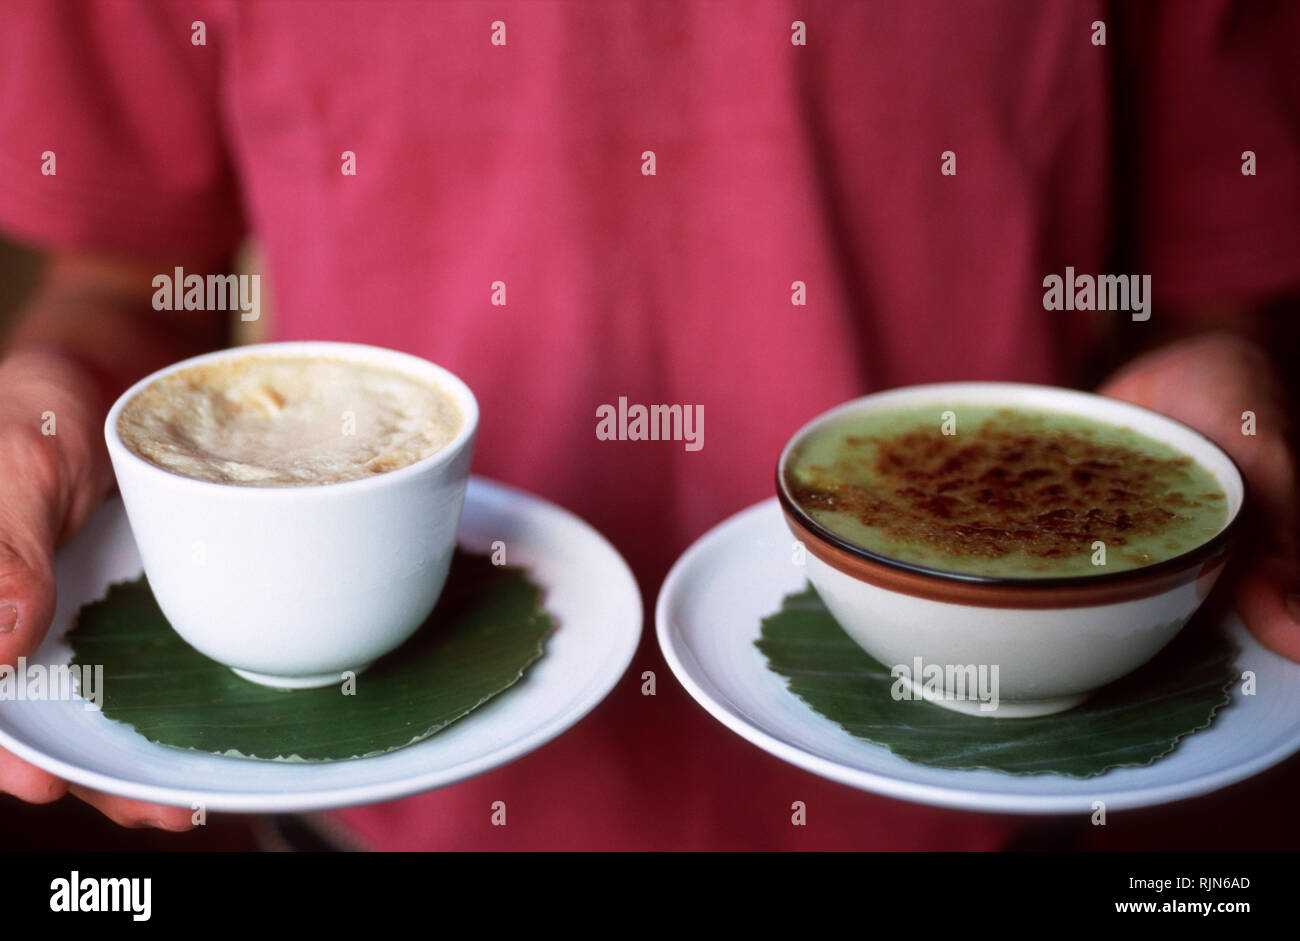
(1207,382)
(49,485)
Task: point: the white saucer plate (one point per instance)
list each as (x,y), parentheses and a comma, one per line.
(708,617)
(587,587)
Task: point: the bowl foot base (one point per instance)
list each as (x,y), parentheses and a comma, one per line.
(1006,708)
(308,681)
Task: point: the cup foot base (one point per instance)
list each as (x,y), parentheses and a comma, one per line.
(307,681)
(1006,708)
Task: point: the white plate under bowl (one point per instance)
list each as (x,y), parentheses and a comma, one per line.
(708,618)
(587,587)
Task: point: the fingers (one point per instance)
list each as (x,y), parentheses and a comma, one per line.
(1268,599)
(135,814)
(28,782)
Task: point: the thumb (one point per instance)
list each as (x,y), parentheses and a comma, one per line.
(27,598)
(27,590)
(27,512)
(1268,600)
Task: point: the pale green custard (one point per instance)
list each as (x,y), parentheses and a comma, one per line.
(1017,492)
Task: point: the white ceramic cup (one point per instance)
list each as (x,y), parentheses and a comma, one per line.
(293,586)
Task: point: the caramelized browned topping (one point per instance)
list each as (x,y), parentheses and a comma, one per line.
(1045,494)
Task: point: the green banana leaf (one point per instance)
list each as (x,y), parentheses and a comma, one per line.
(1134,721)
(487,628)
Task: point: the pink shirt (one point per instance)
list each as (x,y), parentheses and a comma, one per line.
(774,163)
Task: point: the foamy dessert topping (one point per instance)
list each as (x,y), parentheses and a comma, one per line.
(284,421)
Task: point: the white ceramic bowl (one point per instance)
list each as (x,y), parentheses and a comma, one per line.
(293,586)
(1052,640)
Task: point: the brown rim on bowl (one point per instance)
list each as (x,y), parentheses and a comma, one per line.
(995,591)
(990,592)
